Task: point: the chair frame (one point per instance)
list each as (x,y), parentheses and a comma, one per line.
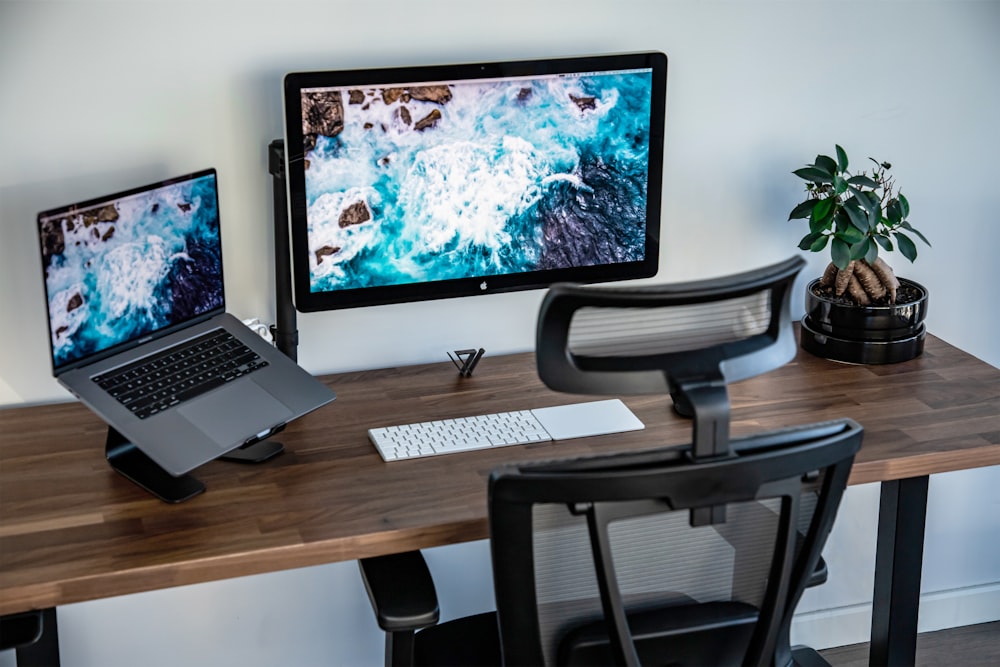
(767,465)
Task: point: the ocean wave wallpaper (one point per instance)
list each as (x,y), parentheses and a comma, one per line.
(475,178)
(123,269)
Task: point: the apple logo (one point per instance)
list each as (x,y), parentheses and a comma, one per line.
(482,285)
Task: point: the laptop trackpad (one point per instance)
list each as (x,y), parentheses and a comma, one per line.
(238,413)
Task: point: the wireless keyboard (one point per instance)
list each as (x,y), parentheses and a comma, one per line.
(447,436)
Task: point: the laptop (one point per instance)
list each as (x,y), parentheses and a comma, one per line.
(129,279)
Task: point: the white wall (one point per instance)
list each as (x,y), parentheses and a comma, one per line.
(99,96)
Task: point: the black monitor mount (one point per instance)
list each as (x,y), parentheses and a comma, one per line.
(285,328)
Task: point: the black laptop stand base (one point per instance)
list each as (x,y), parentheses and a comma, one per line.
(126,459)
(257,452)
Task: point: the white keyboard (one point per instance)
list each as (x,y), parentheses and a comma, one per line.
(500,429)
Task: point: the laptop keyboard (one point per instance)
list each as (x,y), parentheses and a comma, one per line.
(153,384)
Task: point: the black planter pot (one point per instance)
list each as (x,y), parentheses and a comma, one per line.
(865,334)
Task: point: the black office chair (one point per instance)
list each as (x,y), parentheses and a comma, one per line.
(691,554)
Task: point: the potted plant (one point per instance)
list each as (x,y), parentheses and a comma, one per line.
(859,311)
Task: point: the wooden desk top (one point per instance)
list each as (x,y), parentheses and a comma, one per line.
(71,529)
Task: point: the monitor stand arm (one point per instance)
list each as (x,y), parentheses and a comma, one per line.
(284,330)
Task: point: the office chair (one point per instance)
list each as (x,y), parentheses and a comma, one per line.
(687,554)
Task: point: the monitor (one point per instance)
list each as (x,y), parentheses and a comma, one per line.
(416,183)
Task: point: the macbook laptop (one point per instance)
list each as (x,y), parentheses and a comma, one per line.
(139,332)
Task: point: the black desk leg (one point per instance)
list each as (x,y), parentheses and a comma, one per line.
(44,651)
(898,561)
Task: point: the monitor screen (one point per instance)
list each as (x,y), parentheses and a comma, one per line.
(429,182)
(121,267)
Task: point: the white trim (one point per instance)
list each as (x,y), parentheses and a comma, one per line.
(827,628)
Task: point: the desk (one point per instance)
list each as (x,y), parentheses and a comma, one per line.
(71,529)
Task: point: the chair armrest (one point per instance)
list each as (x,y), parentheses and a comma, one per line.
(17,630)
(818,575)
(401,591)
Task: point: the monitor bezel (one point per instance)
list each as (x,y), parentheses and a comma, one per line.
(306,300)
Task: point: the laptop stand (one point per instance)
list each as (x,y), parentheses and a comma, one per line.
(256,451)
(127,460)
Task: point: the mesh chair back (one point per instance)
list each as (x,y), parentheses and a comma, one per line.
(596,561)
(638,340)
(686,555)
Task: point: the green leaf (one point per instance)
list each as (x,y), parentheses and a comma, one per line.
(905,206)
(839,184)
(842,220)
(894,211)
(852,235)
(803,210)
(827,164)
(814,175)
(824,209)
(840,253)
(867,200)
(841,158)
(872,253)
(906,246)
(908,226)
(883,241)
(862,181)
(874,217)
(813,242)
(857,216)
(860,249)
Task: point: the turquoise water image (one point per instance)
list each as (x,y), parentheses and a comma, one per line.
(129,267)
(478,179)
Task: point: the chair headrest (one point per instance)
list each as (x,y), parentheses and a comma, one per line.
(646,339)
(687,339)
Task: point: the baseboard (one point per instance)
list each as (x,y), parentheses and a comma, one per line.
(827,628)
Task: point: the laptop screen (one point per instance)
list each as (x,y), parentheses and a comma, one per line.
(125,267)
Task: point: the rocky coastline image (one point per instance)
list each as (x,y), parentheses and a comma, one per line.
(120,270)
(474,178)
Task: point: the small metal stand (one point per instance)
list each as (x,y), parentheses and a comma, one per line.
(469,359)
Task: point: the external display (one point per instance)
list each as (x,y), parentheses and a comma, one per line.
(430,182)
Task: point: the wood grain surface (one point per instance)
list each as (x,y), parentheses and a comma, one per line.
(71,529)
